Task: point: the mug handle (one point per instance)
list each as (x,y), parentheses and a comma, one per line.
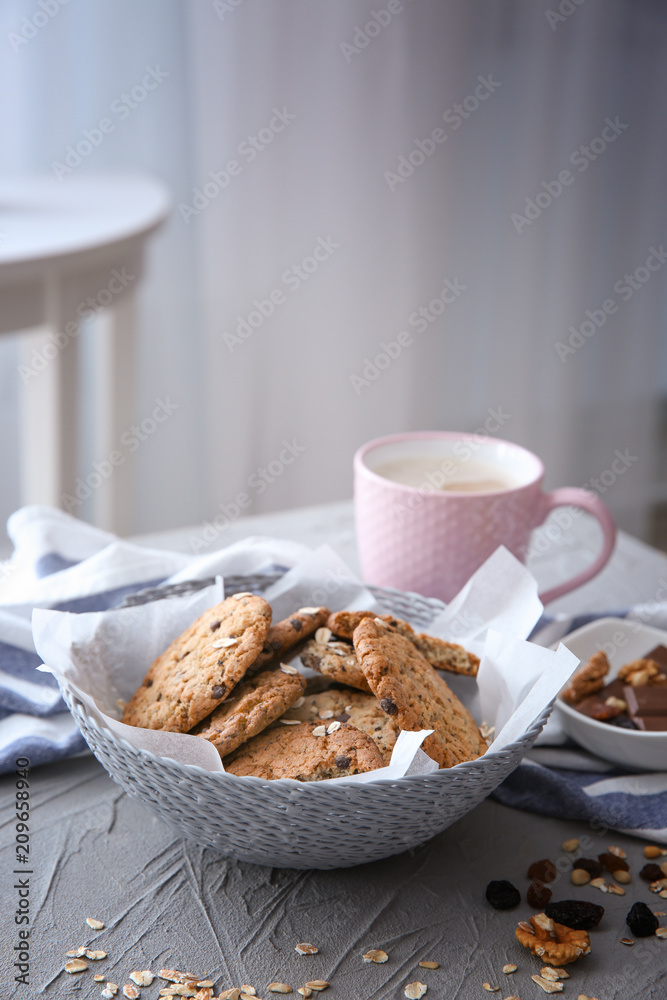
(572,496)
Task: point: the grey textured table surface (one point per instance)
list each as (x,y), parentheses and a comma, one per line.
(165,903)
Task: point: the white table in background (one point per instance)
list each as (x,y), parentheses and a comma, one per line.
(67,247)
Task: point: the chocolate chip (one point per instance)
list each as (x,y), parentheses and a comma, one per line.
(219,692)
(388,706)
(296,624)
(342,763)
(343,717)
(214,626)
(149,684)
(159,697)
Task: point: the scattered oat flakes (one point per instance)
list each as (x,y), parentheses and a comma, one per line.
(426,964)
(243,593)
(547,985)
(617,890)
(413,991)
(617,851)
(99,978)
(306,949)
(323,634)
(224,643)
(204,984)
(658,913)
(333,727)
(232,994)
(96,955)
(130,991)
(326,713)
(548,972)
(287,668)
(627,941)
(513,997)
(663,894)
(97,925)
(171,974)
(490,989)
(661,932)
(107,994)
(77,965)
(113,987)
(509,968)
(317,984)
(376,955)
(299,702)
(582,996)
(144,977)
(76,952)
(279,988)
(305,991)
(290,722)
(598,883)
(308,611)
(320,731)
(570,845)
(249,990)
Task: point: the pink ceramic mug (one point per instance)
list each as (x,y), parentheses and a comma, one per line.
(431,540)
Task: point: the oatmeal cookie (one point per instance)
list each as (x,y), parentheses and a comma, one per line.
(201,666)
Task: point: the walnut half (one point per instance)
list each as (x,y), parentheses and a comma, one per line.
(554,943)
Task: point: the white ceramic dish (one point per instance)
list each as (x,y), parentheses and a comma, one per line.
(623,641)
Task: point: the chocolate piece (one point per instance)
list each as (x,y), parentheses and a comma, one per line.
(646,700)
(595,706)
(651,723)
(659,654)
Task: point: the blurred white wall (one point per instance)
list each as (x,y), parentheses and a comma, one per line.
(319,108)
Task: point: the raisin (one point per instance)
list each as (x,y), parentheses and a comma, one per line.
(641,921)
(612,863)
(590,865)
(575,913)
(538,895)
(543,871)
(623,721)
(651,873)
(502,895)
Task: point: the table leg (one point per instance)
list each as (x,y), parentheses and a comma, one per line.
(49,437)
(112,502)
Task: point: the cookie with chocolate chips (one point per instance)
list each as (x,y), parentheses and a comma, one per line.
(201,666)
(306,752)
(414,695)
(252,706)
(359,709)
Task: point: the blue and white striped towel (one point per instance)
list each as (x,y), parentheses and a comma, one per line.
(62,563)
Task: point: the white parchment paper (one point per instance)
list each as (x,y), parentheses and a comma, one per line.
(102,657)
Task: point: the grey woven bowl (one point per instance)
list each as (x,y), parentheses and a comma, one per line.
(288,824)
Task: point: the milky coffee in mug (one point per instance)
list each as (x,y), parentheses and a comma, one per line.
(431,507)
